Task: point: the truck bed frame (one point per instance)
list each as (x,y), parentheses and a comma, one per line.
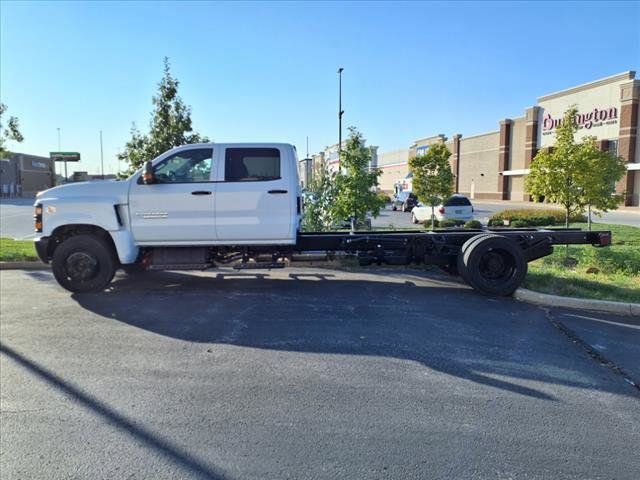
(493,261)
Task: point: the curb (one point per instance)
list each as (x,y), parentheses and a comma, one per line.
(605,306)
(23,265)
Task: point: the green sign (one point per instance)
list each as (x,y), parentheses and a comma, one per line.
(64,156)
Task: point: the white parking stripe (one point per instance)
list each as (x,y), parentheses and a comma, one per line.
(635,327)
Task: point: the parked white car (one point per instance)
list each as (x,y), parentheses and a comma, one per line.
(457,207)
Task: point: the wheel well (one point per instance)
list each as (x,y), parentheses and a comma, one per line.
(65,232)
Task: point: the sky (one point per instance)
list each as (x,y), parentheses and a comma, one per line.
(267,71)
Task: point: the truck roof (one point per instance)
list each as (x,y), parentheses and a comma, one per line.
(236,144)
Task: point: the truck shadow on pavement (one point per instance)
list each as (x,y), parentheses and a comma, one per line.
(494,342)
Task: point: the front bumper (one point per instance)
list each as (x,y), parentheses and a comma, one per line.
(42,248)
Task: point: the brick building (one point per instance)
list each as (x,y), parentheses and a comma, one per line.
(493,165)
(23,175)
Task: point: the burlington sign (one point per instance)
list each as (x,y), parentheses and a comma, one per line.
(594,118)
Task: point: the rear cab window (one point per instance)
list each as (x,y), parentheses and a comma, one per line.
(251,164)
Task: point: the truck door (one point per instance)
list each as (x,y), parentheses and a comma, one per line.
(253,201)
(180,206)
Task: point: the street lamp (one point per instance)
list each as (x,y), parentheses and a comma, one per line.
(340,112)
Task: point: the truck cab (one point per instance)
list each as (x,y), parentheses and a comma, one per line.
(215,194)
(194,195)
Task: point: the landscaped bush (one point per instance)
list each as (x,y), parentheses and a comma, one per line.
(427,223)
(494,222)
(535,217)
(384,197)
(473,224)
(451,223)
(520,224)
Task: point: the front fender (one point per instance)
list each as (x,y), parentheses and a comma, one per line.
(100,211)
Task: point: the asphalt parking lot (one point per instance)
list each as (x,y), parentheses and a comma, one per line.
(310,373)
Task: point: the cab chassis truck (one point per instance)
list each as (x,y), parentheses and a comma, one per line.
(203,206)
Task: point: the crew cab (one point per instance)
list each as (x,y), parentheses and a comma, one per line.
(201,206)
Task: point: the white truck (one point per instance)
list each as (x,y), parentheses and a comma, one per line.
(204,205)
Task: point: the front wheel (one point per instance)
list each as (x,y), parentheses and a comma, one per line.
(84,263)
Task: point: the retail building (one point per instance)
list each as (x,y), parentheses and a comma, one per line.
(23,175)
(493,165)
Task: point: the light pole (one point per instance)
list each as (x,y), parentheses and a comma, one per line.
(340,112)
(65,159)
(101,156)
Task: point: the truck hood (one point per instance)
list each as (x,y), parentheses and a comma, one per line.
(113,189)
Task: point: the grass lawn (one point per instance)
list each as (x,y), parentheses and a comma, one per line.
(615,269)
(16,250)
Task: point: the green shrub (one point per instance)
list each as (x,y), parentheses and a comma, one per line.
(384,197)
(427,223)
(473,224)
(537,217)
(451,223)
(520,224)
(495,222)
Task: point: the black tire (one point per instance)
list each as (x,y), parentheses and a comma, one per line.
(494,265)
(414,219)
(394,208)
(461,267)
(84,263)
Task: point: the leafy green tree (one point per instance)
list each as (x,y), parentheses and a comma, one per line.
(599,177)
(575,175)
(319,199)
(432,177)
(555,174)
(356,182)
(8,133)
(170,126)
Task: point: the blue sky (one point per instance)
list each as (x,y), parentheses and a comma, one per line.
(267,71)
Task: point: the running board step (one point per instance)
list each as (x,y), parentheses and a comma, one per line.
(259,265)
(181,266)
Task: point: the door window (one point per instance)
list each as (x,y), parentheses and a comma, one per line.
(251,164)
(188,166)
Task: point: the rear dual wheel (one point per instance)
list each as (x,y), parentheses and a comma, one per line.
(492,264)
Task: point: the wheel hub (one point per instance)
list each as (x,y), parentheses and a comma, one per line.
(81,266)
(493,265)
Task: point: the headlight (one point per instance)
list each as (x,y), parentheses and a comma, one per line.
(38,218)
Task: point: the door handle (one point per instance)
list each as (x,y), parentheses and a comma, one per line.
(277,191)
(201,192)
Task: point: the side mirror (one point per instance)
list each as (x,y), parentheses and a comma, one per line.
(148,176)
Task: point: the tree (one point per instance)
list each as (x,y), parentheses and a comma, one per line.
(432,177)
(575,175)
(319,200)
(555,173)
(170,125)
(599,178)
(11,132)
(356,182)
